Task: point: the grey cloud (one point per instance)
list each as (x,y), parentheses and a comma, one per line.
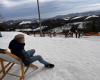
(49,8)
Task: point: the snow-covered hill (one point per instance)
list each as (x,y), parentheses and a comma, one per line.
(74,59)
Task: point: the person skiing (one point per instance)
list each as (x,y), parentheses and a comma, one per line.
(74,30)
(17,47)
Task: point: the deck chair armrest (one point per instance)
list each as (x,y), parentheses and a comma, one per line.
(3,51)
(12,55)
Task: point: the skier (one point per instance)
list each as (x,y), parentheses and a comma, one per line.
(74,30)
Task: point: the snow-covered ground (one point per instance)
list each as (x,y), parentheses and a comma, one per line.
(74,59)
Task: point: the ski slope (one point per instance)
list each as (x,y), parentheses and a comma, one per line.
(74,59)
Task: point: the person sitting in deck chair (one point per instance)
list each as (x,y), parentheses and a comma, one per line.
(17,47)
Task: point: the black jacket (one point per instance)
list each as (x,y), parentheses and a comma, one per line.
(18,49)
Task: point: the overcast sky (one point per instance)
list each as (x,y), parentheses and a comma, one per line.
(13,9)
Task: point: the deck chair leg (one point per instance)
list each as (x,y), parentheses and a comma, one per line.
(33,66)
(2,65)
(4,68)
(22,73)
(7,71)
(26,70)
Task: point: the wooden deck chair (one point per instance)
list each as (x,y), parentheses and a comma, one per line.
(11,59)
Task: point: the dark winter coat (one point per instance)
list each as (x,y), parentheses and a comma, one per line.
(18,49)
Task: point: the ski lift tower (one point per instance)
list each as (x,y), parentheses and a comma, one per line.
(39,17)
